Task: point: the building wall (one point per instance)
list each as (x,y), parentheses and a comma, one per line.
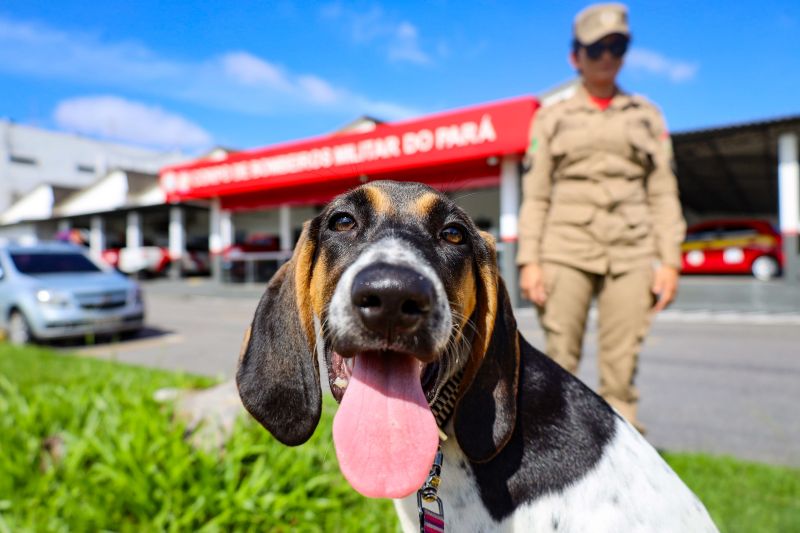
(107,194)
(35,206)
(483,205)
(40,230)
(247,223)
(251,222)
(30,156)
(300,215)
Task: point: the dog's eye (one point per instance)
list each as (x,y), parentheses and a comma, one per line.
(453,234)
(342,222)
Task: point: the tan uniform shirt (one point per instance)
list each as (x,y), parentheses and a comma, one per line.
(600,194)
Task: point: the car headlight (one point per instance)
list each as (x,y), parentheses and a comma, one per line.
(54,298)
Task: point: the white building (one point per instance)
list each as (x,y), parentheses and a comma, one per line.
(31,156)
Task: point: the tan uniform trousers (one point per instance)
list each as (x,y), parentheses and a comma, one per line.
(624,303)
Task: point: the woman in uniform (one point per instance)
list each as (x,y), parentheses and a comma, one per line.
(600,217)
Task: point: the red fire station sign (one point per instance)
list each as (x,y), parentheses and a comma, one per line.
(453,140)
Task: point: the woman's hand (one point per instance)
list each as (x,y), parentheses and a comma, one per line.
(531,283)
(665,287)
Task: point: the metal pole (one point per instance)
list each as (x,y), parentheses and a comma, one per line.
(97,237)
(789,205)
(226,228)
(509,214)
(133,231)
(215,239)
(285,227)
(177,241)
(250,270)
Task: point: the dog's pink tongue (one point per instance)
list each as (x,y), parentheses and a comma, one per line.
(384,431)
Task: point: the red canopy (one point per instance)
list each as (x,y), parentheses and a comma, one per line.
(454,150)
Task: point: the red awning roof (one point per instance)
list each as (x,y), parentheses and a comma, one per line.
(453,150)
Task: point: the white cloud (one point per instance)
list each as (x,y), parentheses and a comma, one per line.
(365,26)
(319,90)
(653,62)
(251,70)
(405,46)
(399,40)
(116,118)
(232,81)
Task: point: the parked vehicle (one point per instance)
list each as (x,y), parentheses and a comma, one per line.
(146,260)
(257,242)
(733,246)
(55,290)
(254,259)
(155,260)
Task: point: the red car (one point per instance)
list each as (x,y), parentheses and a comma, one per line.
(258,242)
(733,246)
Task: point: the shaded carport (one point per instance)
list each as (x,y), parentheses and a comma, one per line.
(744,170)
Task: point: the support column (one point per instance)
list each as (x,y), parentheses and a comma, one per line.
(226,237)
(215,239)
(789,205)
(226,228)
(177,241)
(509,214)
(286,228)
(133,231)
(97,237)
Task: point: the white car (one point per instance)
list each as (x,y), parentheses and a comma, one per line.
(55,290)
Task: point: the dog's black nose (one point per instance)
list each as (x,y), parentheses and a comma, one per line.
(391,299)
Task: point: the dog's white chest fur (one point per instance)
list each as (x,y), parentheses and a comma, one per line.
(631,489)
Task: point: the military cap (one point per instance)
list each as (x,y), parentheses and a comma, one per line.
(598,20)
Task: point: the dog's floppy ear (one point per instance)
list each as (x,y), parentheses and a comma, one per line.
(486,413)
(278,376)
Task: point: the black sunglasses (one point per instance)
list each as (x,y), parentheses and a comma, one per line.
(617,47)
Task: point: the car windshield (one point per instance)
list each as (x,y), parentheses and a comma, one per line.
(52,263)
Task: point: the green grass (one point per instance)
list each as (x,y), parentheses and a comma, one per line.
(743,497)
(127,467)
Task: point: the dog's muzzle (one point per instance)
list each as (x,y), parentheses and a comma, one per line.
(391,300)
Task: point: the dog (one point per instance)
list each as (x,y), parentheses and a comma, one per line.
(394,295)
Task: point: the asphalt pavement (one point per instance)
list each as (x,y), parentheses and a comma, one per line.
(719,373)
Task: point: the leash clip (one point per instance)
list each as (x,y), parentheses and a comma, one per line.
(431,521)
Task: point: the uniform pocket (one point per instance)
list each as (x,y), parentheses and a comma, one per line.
(642,142)
(638,223)
(570,134)
(571,214)
(557,148)
(634,214)
(641,139)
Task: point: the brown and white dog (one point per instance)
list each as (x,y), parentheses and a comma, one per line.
(393,293)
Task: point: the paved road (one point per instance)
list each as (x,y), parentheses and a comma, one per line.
(731,388)
(720,372)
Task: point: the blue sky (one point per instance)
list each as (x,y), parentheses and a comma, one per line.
(248,74)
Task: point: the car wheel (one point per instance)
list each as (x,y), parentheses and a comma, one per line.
(19,332)
(765,268)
